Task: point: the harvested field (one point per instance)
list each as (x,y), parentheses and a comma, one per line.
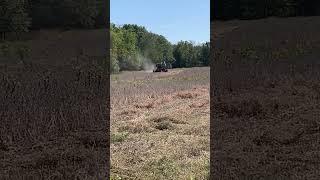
(160,124)
(265,109)
(52,123)
(53,110)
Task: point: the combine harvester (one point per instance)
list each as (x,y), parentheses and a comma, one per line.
(162,67)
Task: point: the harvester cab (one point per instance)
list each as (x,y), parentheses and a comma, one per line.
(164,65)
(161,67)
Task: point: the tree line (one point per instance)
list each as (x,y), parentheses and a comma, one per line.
(18,16)
(253,9)
(133,46)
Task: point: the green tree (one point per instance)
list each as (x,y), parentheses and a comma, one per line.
(67,13)
(252,9)
(83,13)
(205,54)
(101,18)
(133,45)
(14,17)
(123,48)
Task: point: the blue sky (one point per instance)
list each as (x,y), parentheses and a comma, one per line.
(187,20)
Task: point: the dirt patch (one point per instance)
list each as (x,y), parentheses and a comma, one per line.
(187,95)
(169,119)
(147,105)
(199,104)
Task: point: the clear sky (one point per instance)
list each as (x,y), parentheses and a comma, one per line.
(187,20)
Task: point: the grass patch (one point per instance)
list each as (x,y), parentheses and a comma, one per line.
(248,52)
(115,77)
(164,168)
(164,125)
(241,108)
(119,137)
(168,119)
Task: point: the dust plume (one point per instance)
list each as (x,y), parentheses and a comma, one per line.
(146,64)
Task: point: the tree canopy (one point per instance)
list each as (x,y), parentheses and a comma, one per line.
(132,46)
(19,16)
(253,9)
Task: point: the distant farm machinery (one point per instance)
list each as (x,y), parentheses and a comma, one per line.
(162,67)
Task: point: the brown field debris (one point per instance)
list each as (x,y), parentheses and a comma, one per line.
(51,120)
(266,100)
(167,139)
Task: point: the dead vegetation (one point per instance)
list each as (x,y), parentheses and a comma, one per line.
(266,100)
(165,123)
(240,108)
(53,122)
(185,95)
(147,105)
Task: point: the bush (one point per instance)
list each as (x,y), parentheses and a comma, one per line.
(15,51)
(114,66)
(14,17)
